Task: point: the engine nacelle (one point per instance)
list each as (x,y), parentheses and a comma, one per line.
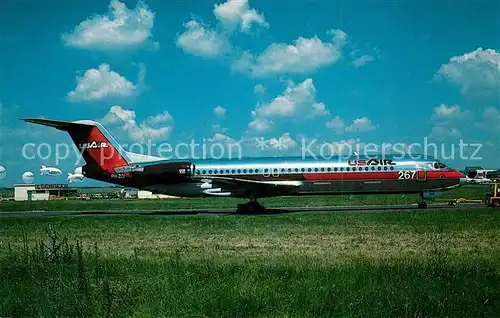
(168,171)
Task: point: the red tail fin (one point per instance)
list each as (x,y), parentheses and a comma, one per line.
(99,149)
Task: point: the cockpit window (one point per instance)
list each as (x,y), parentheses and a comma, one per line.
(439,165)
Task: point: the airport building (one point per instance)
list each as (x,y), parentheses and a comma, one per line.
(37,192)
(142,194)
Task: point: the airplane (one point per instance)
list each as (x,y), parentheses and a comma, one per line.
(253,178)
(77,176)
(44,170)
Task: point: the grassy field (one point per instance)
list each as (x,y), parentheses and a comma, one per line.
(431,263)
(475,191)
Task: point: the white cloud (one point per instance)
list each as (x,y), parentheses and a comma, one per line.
(444,113)
(319,109)
(103,83)
(476,72)
(283,142)
(220,111)
(119,28)
(160,118)
(362,124)
(296,100)
(259,89)
(155,127)
(445,120)
(201,41)
(237,12)
(362,60)
(219,137)
(303,56)
(336,124)
(260,124)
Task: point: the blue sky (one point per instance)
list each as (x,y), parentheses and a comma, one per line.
(341,72)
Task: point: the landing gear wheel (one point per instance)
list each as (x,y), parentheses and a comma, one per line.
(250,207)
(422,205)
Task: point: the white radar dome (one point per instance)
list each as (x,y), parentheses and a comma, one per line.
(3,172)
(28,177)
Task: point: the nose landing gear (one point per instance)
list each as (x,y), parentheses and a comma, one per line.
(422,204)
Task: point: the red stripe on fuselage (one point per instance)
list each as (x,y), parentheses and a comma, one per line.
(335,176)
(382,175)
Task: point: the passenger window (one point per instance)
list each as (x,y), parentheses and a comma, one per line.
(335,169)
(329,169)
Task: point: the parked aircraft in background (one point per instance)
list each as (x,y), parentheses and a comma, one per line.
(253,178)
(44,170)
(77,176)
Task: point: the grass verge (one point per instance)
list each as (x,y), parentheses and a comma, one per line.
(431,263)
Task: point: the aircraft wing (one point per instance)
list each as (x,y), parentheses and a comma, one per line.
(225,186)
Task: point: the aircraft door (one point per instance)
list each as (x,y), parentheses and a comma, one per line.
(422,172)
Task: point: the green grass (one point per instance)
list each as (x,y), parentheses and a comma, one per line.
(431,263)
(475,192)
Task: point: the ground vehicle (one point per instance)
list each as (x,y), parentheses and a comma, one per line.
(493,197)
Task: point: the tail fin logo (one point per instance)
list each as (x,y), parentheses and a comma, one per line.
(93,145)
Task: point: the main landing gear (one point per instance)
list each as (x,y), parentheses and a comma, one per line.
(422,204)
(251,207)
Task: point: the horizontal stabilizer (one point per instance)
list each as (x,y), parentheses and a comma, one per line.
(59,124)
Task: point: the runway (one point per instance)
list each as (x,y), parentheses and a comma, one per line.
(232,211)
